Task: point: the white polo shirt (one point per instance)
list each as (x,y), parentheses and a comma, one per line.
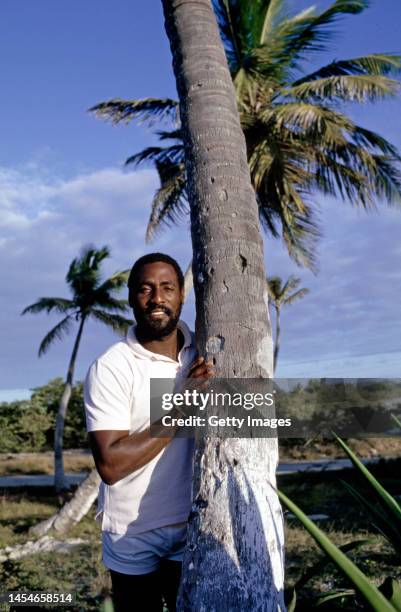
(117,398)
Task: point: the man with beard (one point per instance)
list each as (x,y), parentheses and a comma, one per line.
(145,497)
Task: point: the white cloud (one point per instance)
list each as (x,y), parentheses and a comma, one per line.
(352,307)
(45,221)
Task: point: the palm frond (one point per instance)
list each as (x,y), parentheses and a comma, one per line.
(118,323)
(274,287)
(48,305)
(309,31)
(154,155)
(298,140)
(371,140)
(296,296)
(273,12)
(232,26)
(110,303)
(303,120)
(291,284)
(56,333)
(279,293)
(84,273)
(148,110)
(170,201)
(114,283)
(359,88)
(170,135)
(375,64)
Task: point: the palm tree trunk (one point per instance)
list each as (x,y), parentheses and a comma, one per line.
(73,511)
(234,557)
(60,483)
(277,341)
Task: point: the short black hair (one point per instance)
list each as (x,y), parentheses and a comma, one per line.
(154,258)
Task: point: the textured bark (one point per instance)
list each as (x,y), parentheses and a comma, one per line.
(234,557)
(59,476)
(73,511)
(278,339)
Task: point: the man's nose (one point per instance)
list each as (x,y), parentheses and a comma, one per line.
(157,296)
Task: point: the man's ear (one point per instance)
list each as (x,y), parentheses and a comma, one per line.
(130,298)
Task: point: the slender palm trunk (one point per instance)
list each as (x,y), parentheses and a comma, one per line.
(74,510)
(60,483)
(234,557)
(278,339)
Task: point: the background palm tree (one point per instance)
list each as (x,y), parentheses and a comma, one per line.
(299,138)
(94,298)
(280,295)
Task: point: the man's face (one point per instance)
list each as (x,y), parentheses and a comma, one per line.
(157,300)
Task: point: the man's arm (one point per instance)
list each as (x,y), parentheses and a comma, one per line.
(119,453)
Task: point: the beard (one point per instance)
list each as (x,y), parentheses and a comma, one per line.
(155,329)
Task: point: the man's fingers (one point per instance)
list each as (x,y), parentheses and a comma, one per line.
(195,364)
(202,372)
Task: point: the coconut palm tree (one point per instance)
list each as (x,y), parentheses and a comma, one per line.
(235,530)
(280,295)
(92,298)
(300,139)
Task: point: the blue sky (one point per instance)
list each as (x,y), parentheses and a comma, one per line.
(62,185)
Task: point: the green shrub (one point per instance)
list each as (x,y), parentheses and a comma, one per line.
(28,426)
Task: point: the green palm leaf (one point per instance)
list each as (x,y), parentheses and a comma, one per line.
(350,88)
(147,110)
(117,323)
(299,139)
(309,31)
(373,64)
(170,200)
(48,305)
(115,282)
(57,333)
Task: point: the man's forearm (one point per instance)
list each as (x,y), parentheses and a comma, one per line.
(117,458)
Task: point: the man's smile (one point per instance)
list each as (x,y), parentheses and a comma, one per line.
(157,314)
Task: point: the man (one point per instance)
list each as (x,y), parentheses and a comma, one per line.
(145,496)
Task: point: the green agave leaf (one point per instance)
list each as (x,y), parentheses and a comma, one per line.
(292,596)
(396,419)
(368,591)
(318,567)
(107,605)
(391,589)
(333,595)
(380,520)
(383,496)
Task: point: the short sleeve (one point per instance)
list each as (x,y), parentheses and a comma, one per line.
(107,393)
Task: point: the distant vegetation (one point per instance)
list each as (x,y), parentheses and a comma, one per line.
(28,425)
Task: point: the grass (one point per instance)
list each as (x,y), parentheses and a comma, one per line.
(291,450)
(82,571)
(43,463)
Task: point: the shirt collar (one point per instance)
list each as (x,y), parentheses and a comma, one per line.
(143,353)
